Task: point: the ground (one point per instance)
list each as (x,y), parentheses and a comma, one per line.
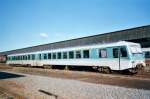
(38,83)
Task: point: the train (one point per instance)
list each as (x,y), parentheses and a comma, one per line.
(119,56)
(146,52)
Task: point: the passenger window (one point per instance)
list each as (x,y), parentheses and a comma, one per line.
(102,53)
(147,54)
(39,56)
(86,54)
(78,54)
(64,55)
(45,56)
(33,57)
(23,57)
(28,57)
(54,56)
(123,52)
(71,55)
(115,52)
(59,55)
(49,55)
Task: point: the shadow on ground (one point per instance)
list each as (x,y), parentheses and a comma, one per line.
(5,75)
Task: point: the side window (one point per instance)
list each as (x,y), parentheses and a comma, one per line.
(33,57)
(123,52)
(49,55)
(39,56)
(54,55)
(86,54)
(147,54)
(102,53)
(71,55)
(23,57)
(28,57)
(45,56)
(59,55)
(78,54)
(64,55)
(115,52)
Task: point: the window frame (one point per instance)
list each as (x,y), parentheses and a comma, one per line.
(100,53)
(80,54)
(54,56)
(71,52)
(65,55)
(88,56)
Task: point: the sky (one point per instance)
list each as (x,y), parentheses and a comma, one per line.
(25,23)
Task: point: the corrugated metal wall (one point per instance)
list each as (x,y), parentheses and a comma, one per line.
(138,33)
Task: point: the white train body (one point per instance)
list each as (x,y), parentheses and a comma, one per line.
(117,56)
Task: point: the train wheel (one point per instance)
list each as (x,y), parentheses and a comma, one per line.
(132,71)
(99,69)
(106,70)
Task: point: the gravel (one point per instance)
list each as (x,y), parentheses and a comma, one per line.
(57,88)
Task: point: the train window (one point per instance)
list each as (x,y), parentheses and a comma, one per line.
(78,54)
(102,53)
(64,55)
(40,57)
(49,55)
(23,58)
(18,57)
(45,56)
(123,52)
(147,54)
(28,57)
(115,52)
(54,55)
(13,57)
(33,57)
(86,54)
(59,55)
(71,54)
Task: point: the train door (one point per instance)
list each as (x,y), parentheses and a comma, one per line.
(124,62)
(116,58)
(120,55)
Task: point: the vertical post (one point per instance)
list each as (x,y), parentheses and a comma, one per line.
(119,57)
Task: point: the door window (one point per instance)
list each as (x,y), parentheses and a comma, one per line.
(115,52)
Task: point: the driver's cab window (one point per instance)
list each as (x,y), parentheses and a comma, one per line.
(123,52)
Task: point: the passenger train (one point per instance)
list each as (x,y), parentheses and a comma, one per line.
(120,55)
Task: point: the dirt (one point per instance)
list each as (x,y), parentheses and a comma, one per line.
(139,81)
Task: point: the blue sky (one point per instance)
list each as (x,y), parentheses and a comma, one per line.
(25,23)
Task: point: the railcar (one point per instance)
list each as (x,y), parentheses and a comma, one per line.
(146,52)
(120,55)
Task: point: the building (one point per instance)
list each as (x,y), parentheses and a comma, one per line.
(139,35)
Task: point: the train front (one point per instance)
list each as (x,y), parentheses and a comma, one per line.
(137,56)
